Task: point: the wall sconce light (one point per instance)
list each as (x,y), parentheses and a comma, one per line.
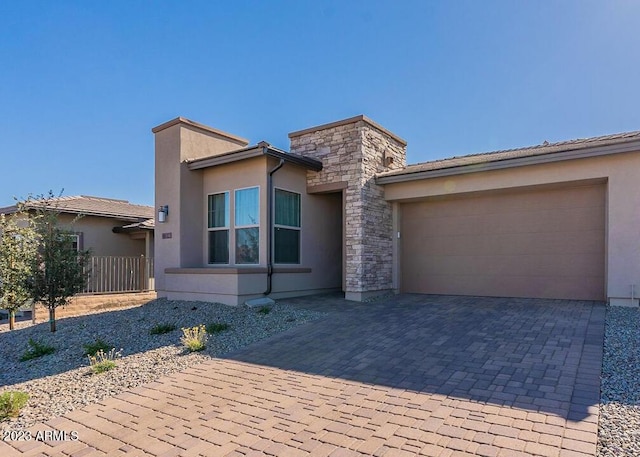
(163,212)
(387,159)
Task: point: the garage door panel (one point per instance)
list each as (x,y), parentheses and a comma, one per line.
(571,267)
(547,243)
(521,244)
(521,221)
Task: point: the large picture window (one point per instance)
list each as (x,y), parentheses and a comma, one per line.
(218,227)
(286,240)
(247,225)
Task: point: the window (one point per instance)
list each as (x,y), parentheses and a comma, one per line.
(247,225)
(75,241)
(218,227)
(286,239)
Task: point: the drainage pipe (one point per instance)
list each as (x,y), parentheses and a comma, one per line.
(270,223)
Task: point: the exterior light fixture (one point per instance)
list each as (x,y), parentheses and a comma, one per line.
(163,212)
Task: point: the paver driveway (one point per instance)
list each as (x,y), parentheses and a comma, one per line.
(410,375)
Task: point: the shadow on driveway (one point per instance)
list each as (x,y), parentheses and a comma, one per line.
(534,354)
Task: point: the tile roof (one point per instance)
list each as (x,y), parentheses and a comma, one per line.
(495,156)
(95,206)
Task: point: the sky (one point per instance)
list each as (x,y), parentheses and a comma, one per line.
(82,83)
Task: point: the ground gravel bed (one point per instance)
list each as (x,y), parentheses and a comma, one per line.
(619,428)
(63,381)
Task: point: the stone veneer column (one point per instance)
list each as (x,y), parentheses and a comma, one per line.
(353,151)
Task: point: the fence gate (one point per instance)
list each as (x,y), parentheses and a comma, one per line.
(111,274)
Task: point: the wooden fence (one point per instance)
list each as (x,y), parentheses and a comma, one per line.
(110,274)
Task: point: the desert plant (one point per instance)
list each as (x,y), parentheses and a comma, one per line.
(103,361)
(18,248)
(160,329)
(264,310)
(195,338)
(59,267)
(36,349)
(97,345)
(217,327)
(11,403)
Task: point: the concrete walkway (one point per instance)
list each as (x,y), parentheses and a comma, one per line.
(410,375)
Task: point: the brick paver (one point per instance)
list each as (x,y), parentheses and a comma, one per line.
(409,375)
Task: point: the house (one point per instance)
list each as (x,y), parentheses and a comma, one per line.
(114,231)
(343,211)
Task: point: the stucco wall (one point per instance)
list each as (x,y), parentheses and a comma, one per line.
(181,189)
(623,199)
(97,235)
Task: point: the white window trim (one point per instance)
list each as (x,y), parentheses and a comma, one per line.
(227,227)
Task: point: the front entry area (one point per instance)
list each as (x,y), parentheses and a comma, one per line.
(541,242)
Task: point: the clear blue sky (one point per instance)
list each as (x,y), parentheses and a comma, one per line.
(83,82)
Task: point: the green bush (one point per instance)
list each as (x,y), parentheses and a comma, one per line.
(264,310)
(217,327)
(11,403)
(93,348)
(159,329)
(36,349)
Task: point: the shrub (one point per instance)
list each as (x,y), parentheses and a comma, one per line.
(11,403)
(160,329)
(93,348)
(264,310)
(195,338)
(36,349)
(104,361)
(217,327)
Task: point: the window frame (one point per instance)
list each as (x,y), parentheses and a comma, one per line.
(226,227)
(237,227)
(287,227)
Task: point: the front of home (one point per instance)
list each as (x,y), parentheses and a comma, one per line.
(343,211)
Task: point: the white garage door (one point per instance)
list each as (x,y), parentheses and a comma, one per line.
(545,243)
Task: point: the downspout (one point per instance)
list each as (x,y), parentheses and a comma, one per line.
(270,223)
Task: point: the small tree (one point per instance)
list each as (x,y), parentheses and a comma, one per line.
(18,249)
(58,269)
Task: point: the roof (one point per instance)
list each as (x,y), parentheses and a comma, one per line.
(262,148)
(545,152)
(202,128)
(350,120)
(147,224)
(93,206)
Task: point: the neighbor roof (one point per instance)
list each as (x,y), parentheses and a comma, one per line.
(92,206)
(562,150)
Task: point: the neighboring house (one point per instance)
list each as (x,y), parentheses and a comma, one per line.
(342,210)
(117,233)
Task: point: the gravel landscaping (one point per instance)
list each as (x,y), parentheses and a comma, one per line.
(619,428)
(63,381)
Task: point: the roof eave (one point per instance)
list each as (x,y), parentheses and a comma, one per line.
(583,153)
(255,151)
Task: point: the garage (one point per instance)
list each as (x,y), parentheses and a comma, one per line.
(539,242)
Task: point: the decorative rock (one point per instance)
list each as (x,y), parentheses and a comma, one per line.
(62,381)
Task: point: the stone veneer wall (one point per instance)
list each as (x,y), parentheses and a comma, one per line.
(354,151)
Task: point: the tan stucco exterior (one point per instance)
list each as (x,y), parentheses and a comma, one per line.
(182,269)
(617,171)
(98,236)
(358,197)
